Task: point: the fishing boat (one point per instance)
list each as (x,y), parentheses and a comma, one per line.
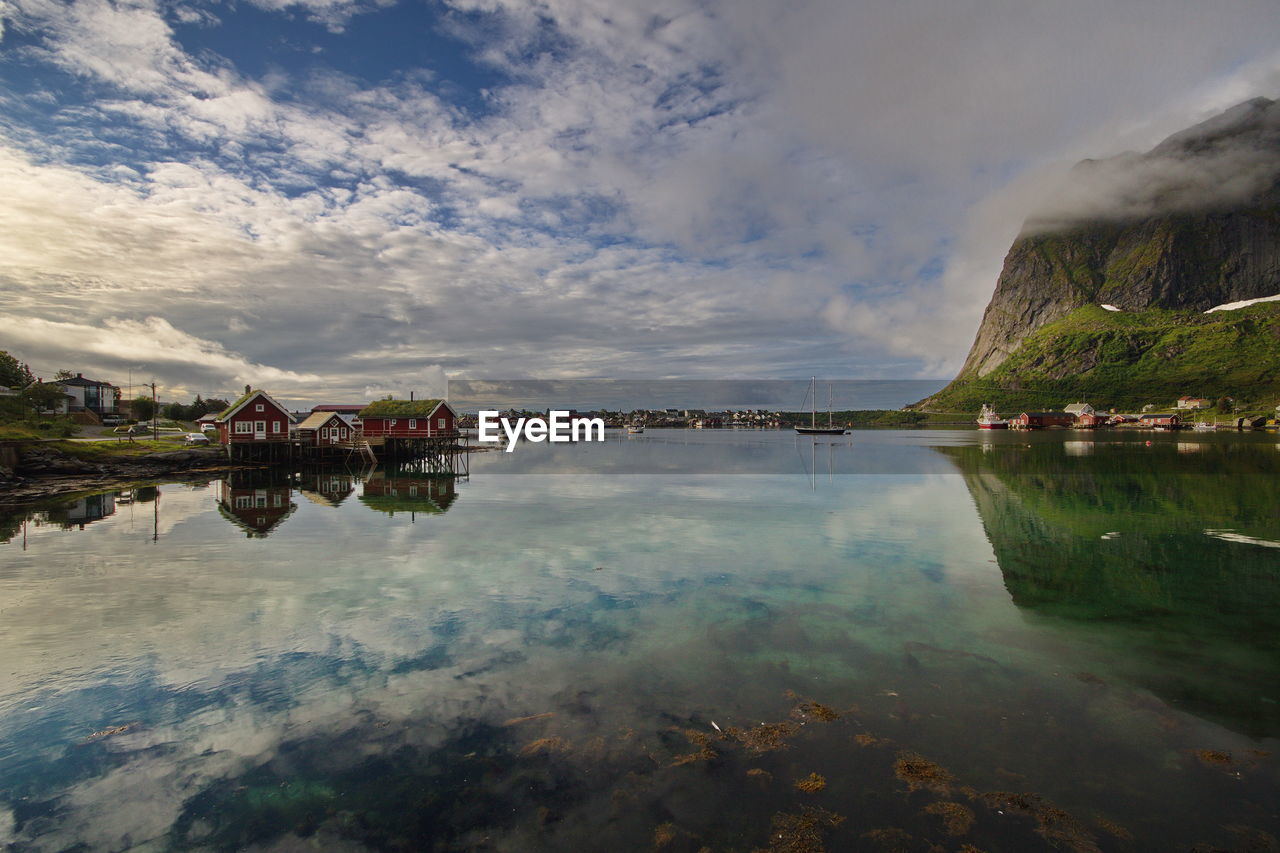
(634,429)
(813,428)
(990,420)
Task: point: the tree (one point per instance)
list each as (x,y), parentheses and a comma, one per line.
(175,411)
(143,408)
(13,373)
(63,374)
(215,404)
(42,396)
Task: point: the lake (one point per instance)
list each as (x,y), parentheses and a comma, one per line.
(681,640)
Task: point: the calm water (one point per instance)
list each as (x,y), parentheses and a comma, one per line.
(1015,642)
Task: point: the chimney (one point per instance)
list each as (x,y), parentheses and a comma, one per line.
(247,389)
(410,396)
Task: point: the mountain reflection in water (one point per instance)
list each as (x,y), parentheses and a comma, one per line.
(887,641)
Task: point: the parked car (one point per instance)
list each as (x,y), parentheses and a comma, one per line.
(195,438)
(208,427)
(112,420)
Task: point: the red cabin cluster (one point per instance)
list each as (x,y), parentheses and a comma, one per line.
(256,423)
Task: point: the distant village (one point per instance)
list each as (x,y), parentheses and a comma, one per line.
(258,426)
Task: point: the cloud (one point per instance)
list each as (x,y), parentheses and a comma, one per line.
(152,341)
(678,190)
(1226,161)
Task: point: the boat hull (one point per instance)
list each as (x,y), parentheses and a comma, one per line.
(821,430)
(993,426)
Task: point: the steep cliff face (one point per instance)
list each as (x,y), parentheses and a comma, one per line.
(1191,224)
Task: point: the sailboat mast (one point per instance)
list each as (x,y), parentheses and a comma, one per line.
(813,402)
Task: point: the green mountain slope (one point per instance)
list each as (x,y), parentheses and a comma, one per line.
(1125,360)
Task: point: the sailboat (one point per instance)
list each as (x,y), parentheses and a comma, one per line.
(813,428)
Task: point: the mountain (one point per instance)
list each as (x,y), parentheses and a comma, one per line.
(1191,224)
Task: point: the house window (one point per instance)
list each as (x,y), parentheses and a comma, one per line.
(392,422)
(413,424)
(324,432)
(441,422)
(258,408)
(275,426)
(244,427)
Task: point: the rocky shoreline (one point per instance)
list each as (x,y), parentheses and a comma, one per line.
(37,472)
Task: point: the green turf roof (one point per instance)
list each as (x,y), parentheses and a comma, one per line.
(399,408)
(229,409)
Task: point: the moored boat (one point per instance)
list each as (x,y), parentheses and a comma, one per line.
(813,428)
(990,420)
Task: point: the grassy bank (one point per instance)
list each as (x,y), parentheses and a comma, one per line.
(102,450)
(1127,360)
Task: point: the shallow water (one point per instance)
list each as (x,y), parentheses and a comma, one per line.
(1073,640)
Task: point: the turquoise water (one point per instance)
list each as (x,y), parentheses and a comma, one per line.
(1015,642)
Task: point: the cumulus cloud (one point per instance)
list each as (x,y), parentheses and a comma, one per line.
(676,190)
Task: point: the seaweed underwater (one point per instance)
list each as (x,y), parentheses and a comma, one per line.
(535,783)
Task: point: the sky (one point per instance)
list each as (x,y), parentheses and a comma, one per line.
(341,199)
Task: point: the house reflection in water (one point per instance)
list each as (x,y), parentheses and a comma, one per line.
(256,501)
(327,488)
(82,511)
(403,490)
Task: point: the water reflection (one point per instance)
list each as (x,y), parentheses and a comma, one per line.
(584,662)
(404,489)
(1160,556)
(256,501)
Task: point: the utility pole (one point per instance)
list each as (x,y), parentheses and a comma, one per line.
(155,420)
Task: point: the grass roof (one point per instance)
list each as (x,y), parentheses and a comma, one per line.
(242,399)
(399,408)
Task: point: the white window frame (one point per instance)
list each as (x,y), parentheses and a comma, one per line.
(275,427)
(244,427)
(259,427)
(259,408)
(413,423)
(441,421)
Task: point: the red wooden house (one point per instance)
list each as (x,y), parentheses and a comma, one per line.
(1161,421)
(1042,420)
(1090,420)
(254,418)
(408,419)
